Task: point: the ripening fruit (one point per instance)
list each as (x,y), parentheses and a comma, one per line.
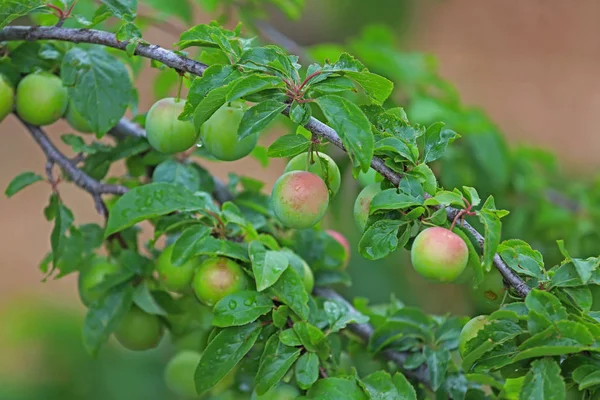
(300,199)
(469,331)
(7,97)
(341,239)
(179,373)
(139,330)
(216,278)
(93,275)
(41,98)
(367,178)
(488,296)
(363,204)
(439,254)
(76,120)
(175,278)
(281,391)
(301,161)
(164,131)
(220,134)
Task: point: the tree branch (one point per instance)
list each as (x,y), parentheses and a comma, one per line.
(180,63)
(80,178)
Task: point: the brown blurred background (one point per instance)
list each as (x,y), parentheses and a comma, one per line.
(531,65)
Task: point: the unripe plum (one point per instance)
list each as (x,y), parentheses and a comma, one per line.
(469,331)
(41,98)
(362,204)
(7,97)
(217,278)
(300,162)
(490,293)
(439,254)
(76,120)
(220,134)
(367,178)
(139,330)
(175,278)
(300,199)
(341,239)
(93,275)
(165,132)
(281,391)
(179,373)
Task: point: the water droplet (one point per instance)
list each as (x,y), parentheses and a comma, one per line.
(232,304)
(249,302)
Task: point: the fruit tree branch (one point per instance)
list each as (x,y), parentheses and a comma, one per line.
(80,178)
(185,64)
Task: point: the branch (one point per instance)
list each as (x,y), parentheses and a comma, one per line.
(80,178)
(184,64)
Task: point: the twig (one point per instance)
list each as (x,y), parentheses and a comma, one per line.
(80,178)
(185,64)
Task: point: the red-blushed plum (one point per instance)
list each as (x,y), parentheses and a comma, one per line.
(300,163)
(175,278)
(363,204)
(41,98)
(179,373)
(139,330)
(76,120)
(165,132)
(220,134)
(439,254)
(469,331)
(341,239)
(91,276)
(489,295)
(300,199)
(216,278)
(7,97)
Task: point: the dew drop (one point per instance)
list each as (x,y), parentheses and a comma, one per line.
(232,304)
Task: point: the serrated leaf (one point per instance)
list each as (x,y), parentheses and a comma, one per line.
(380,239)
(257,118)
(405,389)
(21,181)
(521,258)
(288,146)
(408,322)
(270,59)
(289,337)
(185,247)
(335,389)
(584,268)
(267,265)
(339,315)
(379,386)
(150,201)
(122,9)
(223,352)
(543,381)
(275,362)
(240,308)
(393,146)
(98,84)
(352,126)
(435,141)
(377,87)
(250,84)
(213,77)
(210,104)
(493,233)
(289,289)
(206,36)
(546,306)
(177,173)
(312,338)
(143,298)
(13,9)
(307,370)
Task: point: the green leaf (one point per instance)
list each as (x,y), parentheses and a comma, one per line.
(184,247)
(584,268)
(150,201)
(592,379)
(290,338)
(257,118)
(472,196)
(493,231)
(437,361)
(300,113)
(335,389)
(206,36)
(446,198)
(546,306)
(408,322)
(289,289)
(213,77)
(212,247)
(122,9)
(180,9)
(210,104)
(176,173)
(251,84)
(377,87)
(393,146)
(312,338)
(20,182)
(63,219)
(99,86)
(270,59)
(13,9)
(391,199)
(104,316)
(275,362)
(223,352)
(267,265)
(521,258)
(143,298)
(380,239)
(289,146)
(280,316)
(379,386)
(352,126)
(340,314)
(543,382)
(240,308)
(435,141)
(489,337)
(405,389)
(307,370)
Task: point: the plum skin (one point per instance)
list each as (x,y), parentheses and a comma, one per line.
(179,373)
(469,331)
(41,99)
(299,199)
(76,120)
(164,131)
(175,278)
(489,295)
(139,330)
(7,97)
(92,276)
(439,254)
(341,239)
(220,134)
(362,204)
(334,179)
(216,278)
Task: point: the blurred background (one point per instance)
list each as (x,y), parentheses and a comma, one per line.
(508,75)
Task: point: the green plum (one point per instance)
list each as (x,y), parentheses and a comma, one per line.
(216,278)
(175,278)
(165,132)
(301,162)
(76,120)
(469,331)
(220,134)
(179,373)
(367,178)
(91,276)
(300,199)
(490,293)
(41,98)
(139,330)
(439,254)
(362,204)
(7,97)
